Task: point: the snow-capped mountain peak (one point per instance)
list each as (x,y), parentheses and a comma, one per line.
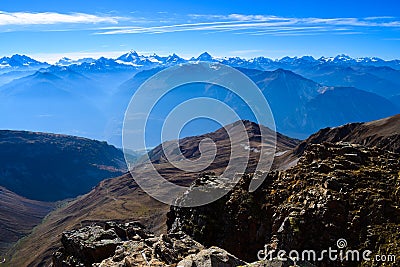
(326,59)
(174,58)
(20,61)
(343,57)
(308,58)
(369,59)
(131,56)
(205,57)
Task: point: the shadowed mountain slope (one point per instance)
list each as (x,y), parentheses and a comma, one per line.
(52,167)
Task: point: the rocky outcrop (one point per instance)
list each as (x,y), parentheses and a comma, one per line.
(87,245)
(335,191)
(116,244)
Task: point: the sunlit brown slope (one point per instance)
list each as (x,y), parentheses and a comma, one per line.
(18,216)
(384,133)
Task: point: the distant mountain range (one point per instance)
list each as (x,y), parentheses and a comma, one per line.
(88,97)
(134,60)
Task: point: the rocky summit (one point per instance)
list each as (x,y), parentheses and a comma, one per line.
(336,191)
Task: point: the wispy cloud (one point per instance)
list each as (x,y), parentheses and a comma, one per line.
(379,18)
(249,24)
(48,18)
(242,17)
(262,25)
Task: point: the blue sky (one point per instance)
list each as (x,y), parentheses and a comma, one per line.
(48,30)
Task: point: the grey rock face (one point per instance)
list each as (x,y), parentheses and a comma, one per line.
(337,190)
(116,244)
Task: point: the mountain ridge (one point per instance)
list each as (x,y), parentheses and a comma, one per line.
(133,59)
(383,133)
(44,166)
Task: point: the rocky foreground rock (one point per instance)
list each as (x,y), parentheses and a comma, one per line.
(130,244)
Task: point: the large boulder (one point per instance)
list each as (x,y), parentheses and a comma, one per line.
(85,246)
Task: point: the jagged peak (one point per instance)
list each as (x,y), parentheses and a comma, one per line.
(205,56)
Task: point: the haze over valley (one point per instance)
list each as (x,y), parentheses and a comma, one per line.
(88,97)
